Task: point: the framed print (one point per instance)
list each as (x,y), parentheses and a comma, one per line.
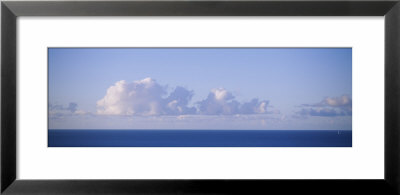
(204,97)
(153,69)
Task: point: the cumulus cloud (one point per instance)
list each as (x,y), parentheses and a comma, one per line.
(177,102)
(125,98)
(144,97)
(328,107)
(148,98)
(222,102)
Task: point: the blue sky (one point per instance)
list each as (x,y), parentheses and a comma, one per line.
(247,88)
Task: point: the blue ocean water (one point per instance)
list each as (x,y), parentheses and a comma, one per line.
(199,138)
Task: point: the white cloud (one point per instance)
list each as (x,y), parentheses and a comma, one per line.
(177,102)
(138,97)
(222,102)
(145,98)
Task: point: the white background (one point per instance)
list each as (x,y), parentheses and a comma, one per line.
(365,160)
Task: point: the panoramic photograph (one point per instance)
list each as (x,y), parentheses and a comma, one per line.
(199,97)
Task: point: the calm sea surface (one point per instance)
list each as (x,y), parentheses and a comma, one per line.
(199,138)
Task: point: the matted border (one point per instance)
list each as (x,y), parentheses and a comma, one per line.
(10,10)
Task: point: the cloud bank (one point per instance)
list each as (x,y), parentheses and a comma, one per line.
(57,111)
(154,106)
(148,98)
(328,107)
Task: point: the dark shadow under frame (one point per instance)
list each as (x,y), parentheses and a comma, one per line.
(10,10)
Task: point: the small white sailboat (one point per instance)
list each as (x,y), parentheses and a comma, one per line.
(338,132)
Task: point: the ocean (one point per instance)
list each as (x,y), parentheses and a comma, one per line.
(199,138)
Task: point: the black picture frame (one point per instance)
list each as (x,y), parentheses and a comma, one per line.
(11,10)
